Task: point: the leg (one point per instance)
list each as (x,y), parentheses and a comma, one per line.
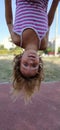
(44,42)
(16,39)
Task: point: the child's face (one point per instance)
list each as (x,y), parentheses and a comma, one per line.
(29,63)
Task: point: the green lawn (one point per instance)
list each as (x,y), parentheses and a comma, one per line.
(51,69)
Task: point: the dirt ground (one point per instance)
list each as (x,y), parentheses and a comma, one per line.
(43,113)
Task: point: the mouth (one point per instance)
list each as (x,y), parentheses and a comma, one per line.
(33,55)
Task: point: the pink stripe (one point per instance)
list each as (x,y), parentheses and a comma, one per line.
(30,22)
(23,17)
(24,26)
(24,12)
(31,14)
(43,24)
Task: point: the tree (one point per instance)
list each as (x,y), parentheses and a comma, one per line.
(1,47)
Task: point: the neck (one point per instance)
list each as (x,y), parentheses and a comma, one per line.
(31,46)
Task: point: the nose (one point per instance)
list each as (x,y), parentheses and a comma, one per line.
(31,62)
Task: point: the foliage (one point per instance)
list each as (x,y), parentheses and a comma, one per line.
(16,50)
(1,47)
(49,50)
(59,50)
(3,50)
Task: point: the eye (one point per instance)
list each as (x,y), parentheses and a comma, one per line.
(26,64)
(35,66)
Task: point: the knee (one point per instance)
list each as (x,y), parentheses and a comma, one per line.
(16,39)
(44,44)
(16,42)
(43,47)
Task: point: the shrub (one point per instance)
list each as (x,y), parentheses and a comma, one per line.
(59,50)
(3,51)
(49,50)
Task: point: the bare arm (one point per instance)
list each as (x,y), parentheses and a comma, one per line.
(8,14)
(51,12)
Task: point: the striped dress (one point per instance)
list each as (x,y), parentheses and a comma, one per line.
(31,14)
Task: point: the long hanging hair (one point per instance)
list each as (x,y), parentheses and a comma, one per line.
(26,84)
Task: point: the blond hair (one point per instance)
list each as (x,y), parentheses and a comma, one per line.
(21,82)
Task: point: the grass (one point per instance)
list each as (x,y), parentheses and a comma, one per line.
(51,69)
(5,70)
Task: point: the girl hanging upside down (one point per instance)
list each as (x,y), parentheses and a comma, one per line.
(29,31)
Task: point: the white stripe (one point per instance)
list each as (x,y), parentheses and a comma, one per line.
(23,8)
(19,21)
(30,23)
(21,12)
(31,16)
(19,29)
